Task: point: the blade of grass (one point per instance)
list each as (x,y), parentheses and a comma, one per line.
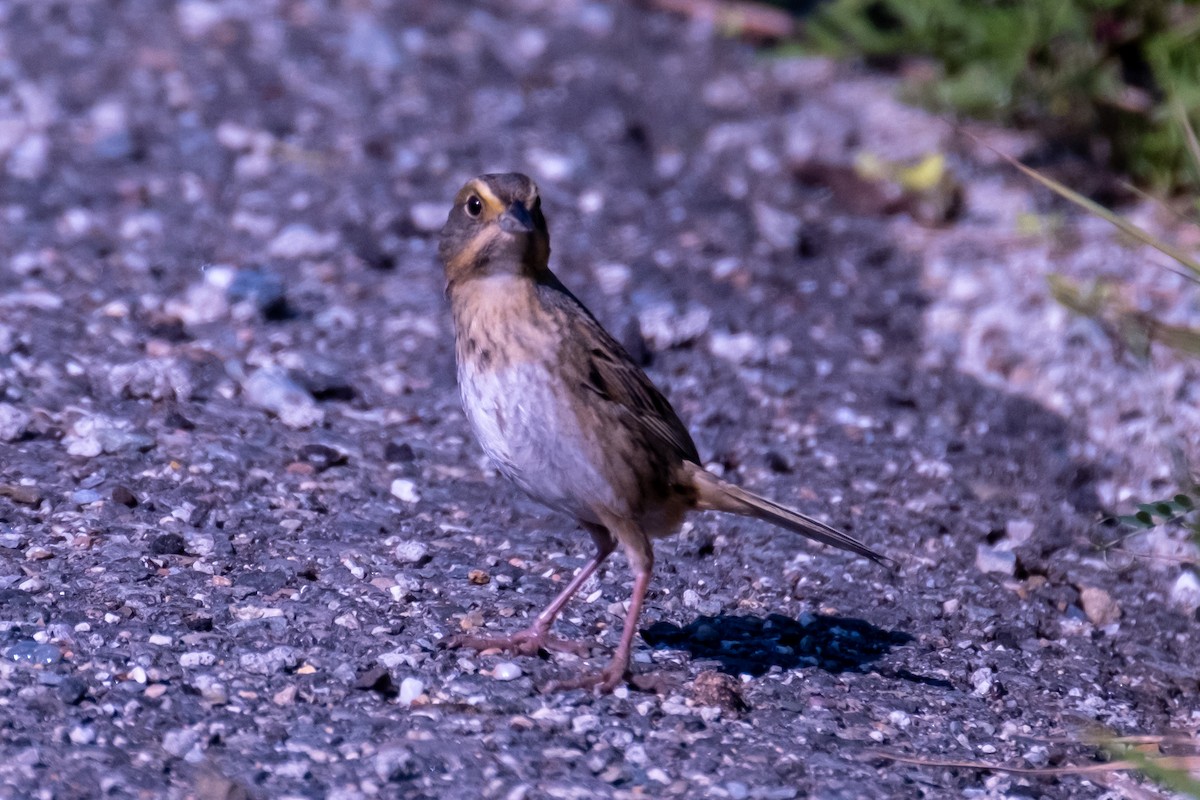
(1190,134)
(1173,772)
(1092,206)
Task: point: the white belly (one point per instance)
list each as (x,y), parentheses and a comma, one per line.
(524,423)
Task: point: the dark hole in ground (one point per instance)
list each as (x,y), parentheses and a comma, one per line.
(752,645)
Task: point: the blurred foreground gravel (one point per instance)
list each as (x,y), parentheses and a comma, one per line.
(239,505)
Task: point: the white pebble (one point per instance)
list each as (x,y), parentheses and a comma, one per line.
(981,679)
(663,327)
(1018,531)
(13,422)
(411,552)
(272,390)
(506,671)
(995,560)
(406,490)
(82,734)
(428,217)
(738,348)
(301,241)
(1186,592)
(197,658)
(613,278)
(410,690)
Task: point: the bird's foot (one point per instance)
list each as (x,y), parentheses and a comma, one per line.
(601,682)
(528,642)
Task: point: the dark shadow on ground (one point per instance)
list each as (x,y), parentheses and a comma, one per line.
(751,645)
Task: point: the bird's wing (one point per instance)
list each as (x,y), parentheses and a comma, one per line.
(606,371)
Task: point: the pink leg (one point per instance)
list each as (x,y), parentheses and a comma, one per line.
(616,670)
(641,557)
(537,636)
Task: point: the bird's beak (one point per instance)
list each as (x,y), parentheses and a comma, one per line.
(516,219)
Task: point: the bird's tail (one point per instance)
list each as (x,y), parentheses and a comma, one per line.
(718,495)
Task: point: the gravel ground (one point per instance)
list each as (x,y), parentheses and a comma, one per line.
(239,505)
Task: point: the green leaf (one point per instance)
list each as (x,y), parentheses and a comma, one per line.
(1184,501)
(1137,521)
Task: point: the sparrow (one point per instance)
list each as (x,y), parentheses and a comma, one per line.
(565,413)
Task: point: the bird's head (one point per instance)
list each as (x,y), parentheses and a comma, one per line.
(495,227)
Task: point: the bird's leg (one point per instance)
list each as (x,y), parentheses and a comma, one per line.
(615,672)
(641,557)
(537,636)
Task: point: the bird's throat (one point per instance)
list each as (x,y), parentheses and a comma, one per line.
(499,321)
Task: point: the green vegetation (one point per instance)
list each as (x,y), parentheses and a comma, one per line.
(1177,509)
(1135,331)
(1113,77)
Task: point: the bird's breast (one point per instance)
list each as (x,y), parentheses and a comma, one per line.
(532,412)
(524,419)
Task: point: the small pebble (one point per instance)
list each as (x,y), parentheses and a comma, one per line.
(613,278)
(1037,756)
(13,422)
(779,229)
(395,763)
(405,490)
(168,544)
(72,690)
(179,741)
(84,496)
(995,560)
(506,671)
(737,348)
(155,379)
(11,541)
(663,327)
(272,390)
(197,658)
(410,690)
(428,217)
(322,457)
(28,495)
(31,652)
(981,680)
(211,689)
(1018,531)
(1099,606)
(412,552)
(737,790)
(583,723)
(91,435)
(302,241)
(277,659)
(262,290)
(82,734)
(1185,592)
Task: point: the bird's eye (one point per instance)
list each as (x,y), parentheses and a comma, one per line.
(474,206)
